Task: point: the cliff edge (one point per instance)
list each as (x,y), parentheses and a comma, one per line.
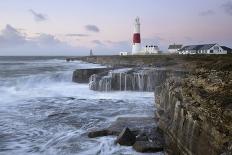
(195,112)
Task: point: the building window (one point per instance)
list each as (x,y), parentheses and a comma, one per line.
(211,51)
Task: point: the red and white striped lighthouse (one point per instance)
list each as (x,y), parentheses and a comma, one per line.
(136,37)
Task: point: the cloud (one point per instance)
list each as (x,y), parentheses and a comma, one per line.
(77,35)
(227,7)
(92,28)
(10,36)
(13,42)
(98,42)
(207,13)
(38,16)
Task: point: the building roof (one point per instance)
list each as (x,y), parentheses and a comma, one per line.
(175,46)
(198,47)
(229,50)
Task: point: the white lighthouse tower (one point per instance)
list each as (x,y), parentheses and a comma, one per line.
(136,37)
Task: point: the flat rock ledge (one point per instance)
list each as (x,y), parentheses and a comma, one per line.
(83,75)
(148,137)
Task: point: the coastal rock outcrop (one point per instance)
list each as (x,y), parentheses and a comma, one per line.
(142,130)
(83,75)
(130,79)
(194,108)
(195,112)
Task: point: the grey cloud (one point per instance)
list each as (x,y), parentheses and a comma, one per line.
(92,28)
(98,42)
(13,42)
(77,35)
(227,7)
(38,16)
(11,36)
(47,40)
(207,13)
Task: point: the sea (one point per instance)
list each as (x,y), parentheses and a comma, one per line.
(42,112)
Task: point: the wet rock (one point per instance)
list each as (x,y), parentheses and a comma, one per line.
(142,137)
(137,125)
(83,75)
(143,129)
(130,79)
(100,133)
(126,138)
(146,146)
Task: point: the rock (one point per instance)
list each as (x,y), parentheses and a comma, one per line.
(99,133)
(143,129)
(137,125)
(146,146)
(126,138)
(192,111)
(142,137)
(83,75)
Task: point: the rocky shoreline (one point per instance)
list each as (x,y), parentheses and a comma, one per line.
(192,97)
(140,132)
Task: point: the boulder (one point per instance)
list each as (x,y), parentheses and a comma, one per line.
(146,146)
(126,138)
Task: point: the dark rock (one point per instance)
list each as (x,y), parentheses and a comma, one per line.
(142,137)
(137,125)
(146,146)
(128,79)
(126,138)
(83,75)
(99,133)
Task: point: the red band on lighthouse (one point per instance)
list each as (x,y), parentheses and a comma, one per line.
(136,38)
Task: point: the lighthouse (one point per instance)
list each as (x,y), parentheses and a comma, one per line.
(136,37)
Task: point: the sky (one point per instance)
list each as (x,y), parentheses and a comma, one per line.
(73,27)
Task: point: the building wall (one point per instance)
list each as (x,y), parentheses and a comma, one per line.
(213,50)
(188,52)
(216,50)
(173,51)
(123,53)
(151,50)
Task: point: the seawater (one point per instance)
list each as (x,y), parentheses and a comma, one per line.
(42,112)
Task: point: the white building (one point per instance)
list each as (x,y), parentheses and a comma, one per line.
(151,49)
(124,53)
(174,49)
(203,49)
